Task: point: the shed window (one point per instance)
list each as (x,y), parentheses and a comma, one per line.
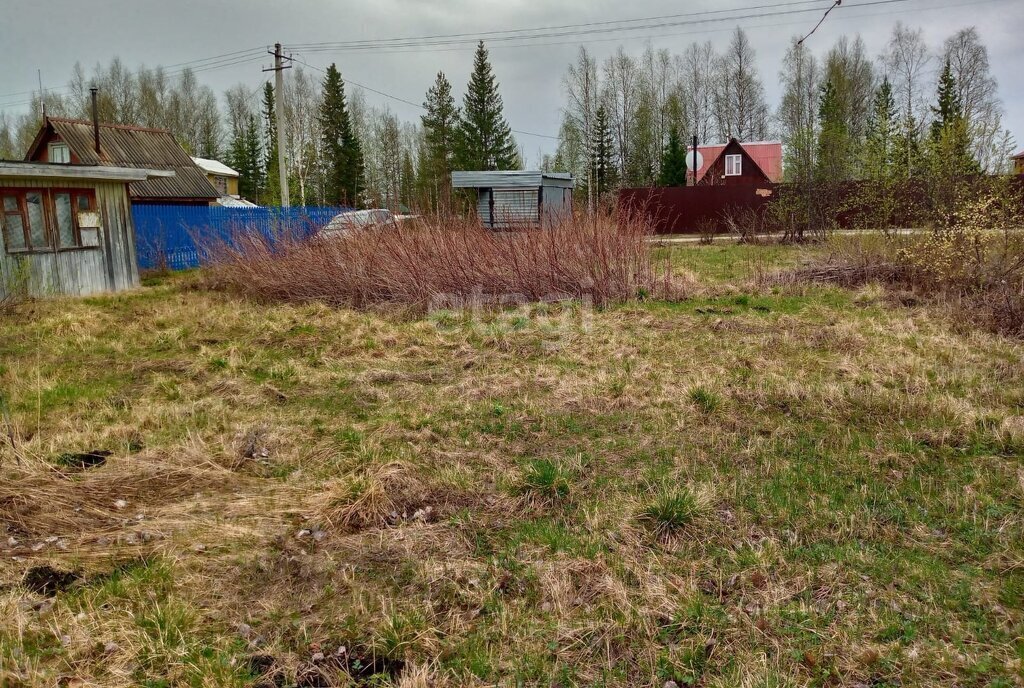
(40,220)
(733,165)
(14,225)
(59,153)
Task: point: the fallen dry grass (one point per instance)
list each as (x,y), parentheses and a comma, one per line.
(800,487)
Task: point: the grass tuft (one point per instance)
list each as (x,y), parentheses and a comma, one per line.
(672,510)
(706,400)
(545,479)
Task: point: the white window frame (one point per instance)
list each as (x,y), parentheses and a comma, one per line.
(733,165)
(65,153)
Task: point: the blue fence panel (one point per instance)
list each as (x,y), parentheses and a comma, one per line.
(165,235)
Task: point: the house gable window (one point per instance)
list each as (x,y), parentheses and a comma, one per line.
(43,220)
(733,165)
(221,184)
(59,152)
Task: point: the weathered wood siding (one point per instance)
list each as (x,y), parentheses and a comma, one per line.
(111,266)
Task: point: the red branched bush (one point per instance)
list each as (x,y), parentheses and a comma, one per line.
(438,260)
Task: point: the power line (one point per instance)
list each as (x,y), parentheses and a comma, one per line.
(204,64)
(584,30)
(477,35)
(821,21)
(407,102)
(623,39)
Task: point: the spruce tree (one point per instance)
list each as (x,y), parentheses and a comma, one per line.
(948,111)
(602,154)
(272,180)
(342,155)
(908,143)
(880,158)
(834,145)
(879,155)
(440,134)
(252,180)
(673,161)
(950,137)
(485,138)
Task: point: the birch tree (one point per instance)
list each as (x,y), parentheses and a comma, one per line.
(797,115)
(740,105)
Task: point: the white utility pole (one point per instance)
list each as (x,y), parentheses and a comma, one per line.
(282,158)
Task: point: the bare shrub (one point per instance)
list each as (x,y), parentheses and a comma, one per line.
(803,212)
(977,264)
(707,229)
(441,259)
(746,224)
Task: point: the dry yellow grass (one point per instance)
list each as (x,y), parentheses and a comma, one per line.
(303,494)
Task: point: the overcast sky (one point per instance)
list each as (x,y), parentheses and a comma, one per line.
(51,35)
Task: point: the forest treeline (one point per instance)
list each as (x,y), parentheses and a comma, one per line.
(842,115)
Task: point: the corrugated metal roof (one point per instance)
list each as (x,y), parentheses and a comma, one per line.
(141,148)
(767,155)
(510,179)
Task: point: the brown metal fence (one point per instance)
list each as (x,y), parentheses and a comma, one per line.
(706,209)
(691,209)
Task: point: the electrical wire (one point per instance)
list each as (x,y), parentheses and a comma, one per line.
(407,102)
(821,21)
(478,35)
(372,46)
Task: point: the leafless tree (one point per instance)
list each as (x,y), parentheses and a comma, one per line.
(301,104)
(849,69)
(697,69)
(797,115)
(583,95)
(621,97)
(907,61)
(740,105)
(979,95)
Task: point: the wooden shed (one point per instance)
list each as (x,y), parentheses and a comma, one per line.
(67,229)
(83,142)
(517,198)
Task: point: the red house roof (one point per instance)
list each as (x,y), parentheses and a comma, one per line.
(767,155)
(1019,156)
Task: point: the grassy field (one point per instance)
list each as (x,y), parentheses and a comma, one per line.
(746,488)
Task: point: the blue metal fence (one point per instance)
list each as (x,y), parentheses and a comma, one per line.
(165,235)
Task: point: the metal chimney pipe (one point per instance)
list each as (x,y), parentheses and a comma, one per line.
(95,119)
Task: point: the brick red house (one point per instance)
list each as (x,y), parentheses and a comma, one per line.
(735,163)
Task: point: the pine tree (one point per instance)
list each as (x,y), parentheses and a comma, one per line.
(343,155)
(673,161)
(485,139)
(271,191)
(603,165)
(440,134)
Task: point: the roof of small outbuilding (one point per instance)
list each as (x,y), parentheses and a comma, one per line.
(133,147)
(510,179)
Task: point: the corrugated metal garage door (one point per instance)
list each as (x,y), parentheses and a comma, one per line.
(515,207)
